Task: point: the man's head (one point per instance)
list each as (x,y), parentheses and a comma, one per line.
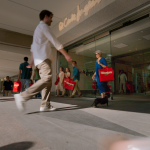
(7,78)
(46,16)
(74,63)
(25,59)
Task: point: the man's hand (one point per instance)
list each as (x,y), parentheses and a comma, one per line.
(68,58)
(29,66)
(72,78)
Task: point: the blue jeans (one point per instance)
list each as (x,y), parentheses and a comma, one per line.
(39,94)
(25,84)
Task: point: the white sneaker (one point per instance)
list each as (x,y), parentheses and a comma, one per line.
(19,102)
(51,108)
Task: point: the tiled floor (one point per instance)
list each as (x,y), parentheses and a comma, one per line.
(74,126)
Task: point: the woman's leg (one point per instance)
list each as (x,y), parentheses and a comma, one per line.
(57,92)
(102,95)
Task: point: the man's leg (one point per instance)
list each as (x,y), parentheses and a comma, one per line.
(9,93)
(22,85)
(44,84)
(27,82)
(78,90)
(124,87)
(75,87)
(6,93)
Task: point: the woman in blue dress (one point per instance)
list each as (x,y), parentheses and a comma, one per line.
(100,63)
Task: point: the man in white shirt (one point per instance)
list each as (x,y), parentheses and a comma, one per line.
(41,57)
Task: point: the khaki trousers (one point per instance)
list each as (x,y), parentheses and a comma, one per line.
(76,88)
(7,93)
(64,92)
(44,84)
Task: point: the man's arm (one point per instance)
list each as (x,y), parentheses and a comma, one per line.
(32,61)
(19,74)
(47,32)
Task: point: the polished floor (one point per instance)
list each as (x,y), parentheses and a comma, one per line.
(74,126)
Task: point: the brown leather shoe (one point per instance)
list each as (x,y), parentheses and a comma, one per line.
(62,96)
(80,95)
(72,96)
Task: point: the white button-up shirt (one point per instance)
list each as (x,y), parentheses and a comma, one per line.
(41,47)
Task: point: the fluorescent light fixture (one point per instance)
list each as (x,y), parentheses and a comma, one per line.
(121,45)
(147,37)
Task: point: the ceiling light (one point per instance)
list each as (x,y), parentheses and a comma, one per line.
(121,45)
(147,37)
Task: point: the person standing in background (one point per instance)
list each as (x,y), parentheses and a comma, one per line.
(7,87)
(25,74)
(37,77)
(123,80)
(67,75)
(76,78)
(59,86)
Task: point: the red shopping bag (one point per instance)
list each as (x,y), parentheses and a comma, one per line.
(110,88)
(106,74)
(94,85)
(57,81)
(17,86)
(69,84)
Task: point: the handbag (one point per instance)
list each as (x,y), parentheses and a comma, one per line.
(69,84)
(94,85)
(17,86)
(106,74)
(57,81)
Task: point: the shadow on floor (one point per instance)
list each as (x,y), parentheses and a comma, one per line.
(18,146)
(138,106)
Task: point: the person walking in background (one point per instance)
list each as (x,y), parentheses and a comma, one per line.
(41,55)
(67,75)
(76,78)
(59,86)
(123,80)
(7,87)
(36,77)
(100,63)
(25,74)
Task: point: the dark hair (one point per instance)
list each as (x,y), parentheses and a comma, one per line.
(62,68)
(25,58)
(43,13)
(68,69)
(7,76)
(74,62)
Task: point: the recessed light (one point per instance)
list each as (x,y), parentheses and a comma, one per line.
(147,37)
(114,41)
(121,45)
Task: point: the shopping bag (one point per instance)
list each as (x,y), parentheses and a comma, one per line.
(69,84)
(57,81)
(94,85)
(17,86)
(106,74)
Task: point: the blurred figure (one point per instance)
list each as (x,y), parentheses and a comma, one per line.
(7,87)
(123,80)
(59,86)
(25,74)
(76,78)
(67,75)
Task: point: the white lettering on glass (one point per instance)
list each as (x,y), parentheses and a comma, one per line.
(80,12)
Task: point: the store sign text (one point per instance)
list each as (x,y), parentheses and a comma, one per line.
(80,12)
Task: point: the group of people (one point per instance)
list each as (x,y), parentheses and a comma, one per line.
(41,58)
(75,77)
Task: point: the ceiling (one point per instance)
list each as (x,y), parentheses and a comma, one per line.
(22,15)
